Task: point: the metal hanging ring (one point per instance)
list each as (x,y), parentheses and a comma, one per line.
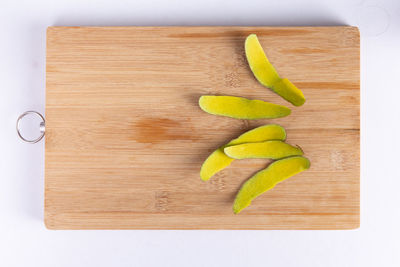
(41,127)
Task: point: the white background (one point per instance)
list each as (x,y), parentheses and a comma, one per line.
(24,241)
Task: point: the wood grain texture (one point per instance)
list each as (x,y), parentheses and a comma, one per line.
(125,137)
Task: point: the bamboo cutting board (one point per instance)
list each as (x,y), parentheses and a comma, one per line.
(125,137)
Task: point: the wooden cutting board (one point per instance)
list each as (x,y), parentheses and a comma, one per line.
(125,137)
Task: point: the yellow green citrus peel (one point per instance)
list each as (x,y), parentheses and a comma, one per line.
(266,74)
(241,108)
(269,149)
(266,179)
(217,161)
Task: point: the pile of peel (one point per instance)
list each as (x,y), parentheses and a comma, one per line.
(266,141)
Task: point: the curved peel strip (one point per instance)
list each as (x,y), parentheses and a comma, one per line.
(267,178)
(289,91)
(268,149)
(241,108)
(218,160)
(266,74)
(259,64)
(260,134)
